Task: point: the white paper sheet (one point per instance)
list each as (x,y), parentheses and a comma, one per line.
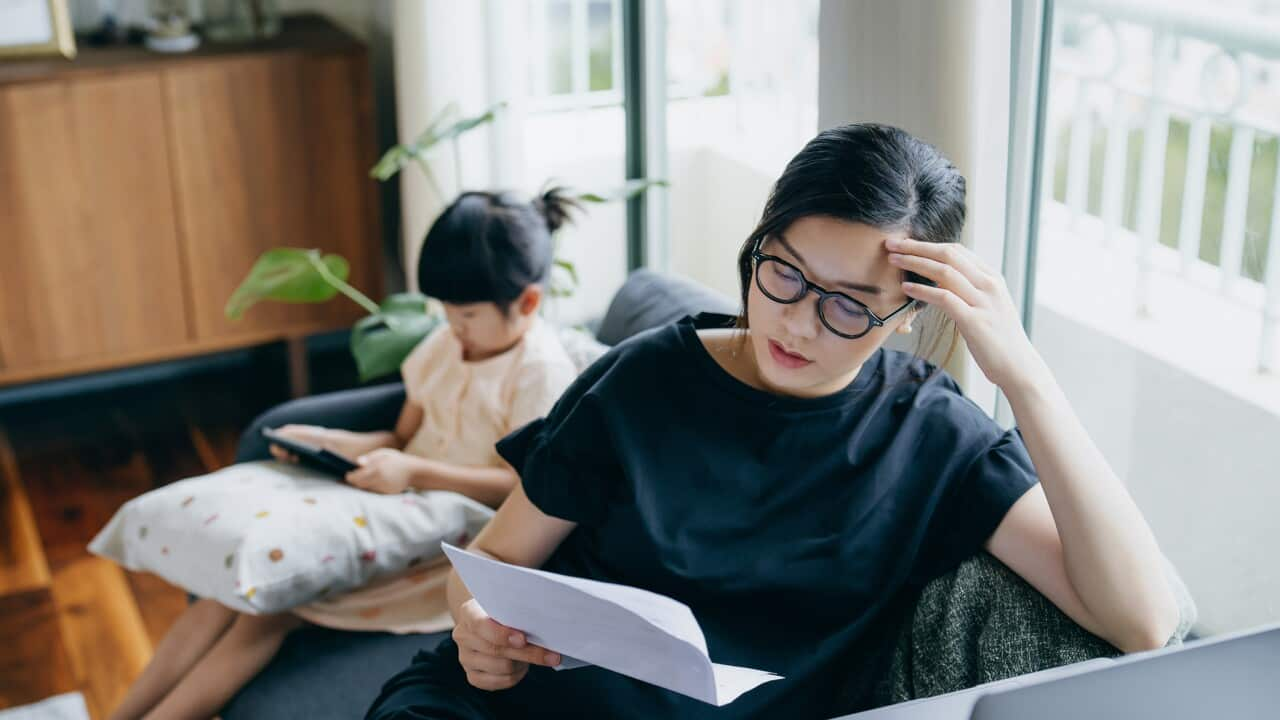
(634,632)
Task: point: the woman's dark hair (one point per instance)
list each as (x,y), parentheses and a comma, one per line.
(489,247)
(872,174)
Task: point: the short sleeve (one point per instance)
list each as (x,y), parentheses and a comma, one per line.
(536,391)
(972,507)
(565,460)
(420,362)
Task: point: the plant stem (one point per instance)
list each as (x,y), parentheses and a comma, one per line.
(356,296)
(431,178)
(457,163)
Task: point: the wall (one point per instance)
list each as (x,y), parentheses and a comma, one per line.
(1200,462)
(371,22)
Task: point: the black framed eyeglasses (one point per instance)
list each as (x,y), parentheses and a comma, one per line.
(782,282)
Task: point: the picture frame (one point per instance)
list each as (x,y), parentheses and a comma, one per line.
(35,27)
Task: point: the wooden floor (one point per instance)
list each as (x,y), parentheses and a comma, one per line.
(70,620)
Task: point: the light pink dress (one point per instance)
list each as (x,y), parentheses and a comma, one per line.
(466,408)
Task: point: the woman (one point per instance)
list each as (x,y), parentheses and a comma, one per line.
(794,482)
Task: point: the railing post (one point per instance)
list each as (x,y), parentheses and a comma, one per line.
(1238,170)
(1116,165)
(1271,305)
(1151,185)
(1193,192)
(1078,152)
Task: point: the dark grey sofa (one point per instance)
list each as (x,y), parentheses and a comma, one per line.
(322,673)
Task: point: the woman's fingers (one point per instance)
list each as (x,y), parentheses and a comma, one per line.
(529,654)
(496,633)
(493,638)
(484,662)
(953,254)
(949,302)
(946,276)
(487,681)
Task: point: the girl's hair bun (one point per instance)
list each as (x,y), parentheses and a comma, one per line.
(556,207)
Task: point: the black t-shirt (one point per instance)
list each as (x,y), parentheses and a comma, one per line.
(794,528)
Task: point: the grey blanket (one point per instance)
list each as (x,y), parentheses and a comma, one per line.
(982,622)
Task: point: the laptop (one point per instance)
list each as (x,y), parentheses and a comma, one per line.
(1233,676)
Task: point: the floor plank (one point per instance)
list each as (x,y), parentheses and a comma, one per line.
(33,659)
(105,637)
(79,622)
(23,567)
(74,494)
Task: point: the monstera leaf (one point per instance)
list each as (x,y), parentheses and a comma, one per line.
(292,275)
(381,341)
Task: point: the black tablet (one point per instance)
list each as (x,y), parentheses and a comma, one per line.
(313,457)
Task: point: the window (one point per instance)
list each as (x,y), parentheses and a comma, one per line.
(741,98)
(1157,276)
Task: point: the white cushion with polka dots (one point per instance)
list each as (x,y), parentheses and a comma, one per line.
(262,537)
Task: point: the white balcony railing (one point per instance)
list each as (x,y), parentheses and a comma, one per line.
(1134,68)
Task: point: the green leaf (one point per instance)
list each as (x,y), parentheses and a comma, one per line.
(380,342)
(391,162)
(568,267)
(462,126)
(631,189)
(287,275)
(439,130)
(406,302)
(446,114)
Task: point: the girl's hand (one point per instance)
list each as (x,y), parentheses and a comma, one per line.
(384,471)
(343,442)
(495,656)
(976,298)
(310,434)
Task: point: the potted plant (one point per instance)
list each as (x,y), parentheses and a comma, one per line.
(382,339)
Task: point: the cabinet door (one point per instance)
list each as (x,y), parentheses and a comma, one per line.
(89,257)
(342,202)
(262,161)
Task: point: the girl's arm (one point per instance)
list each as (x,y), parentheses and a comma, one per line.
(1078,537)
(385,468)
(489,485)
(354,444)
(406,427)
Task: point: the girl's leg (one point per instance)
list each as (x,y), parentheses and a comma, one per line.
(246,647)
(190,637)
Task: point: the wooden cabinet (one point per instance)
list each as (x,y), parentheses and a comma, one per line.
(137,190)
(78,277)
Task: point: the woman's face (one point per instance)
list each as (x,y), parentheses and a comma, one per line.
(795,354)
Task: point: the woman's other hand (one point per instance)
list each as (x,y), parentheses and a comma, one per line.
(494,656)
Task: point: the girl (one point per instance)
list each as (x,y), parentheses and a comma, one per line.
(495,368)
(792,481)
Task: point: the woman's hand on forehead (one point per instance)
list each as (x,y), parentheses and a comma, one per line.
(976,298)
